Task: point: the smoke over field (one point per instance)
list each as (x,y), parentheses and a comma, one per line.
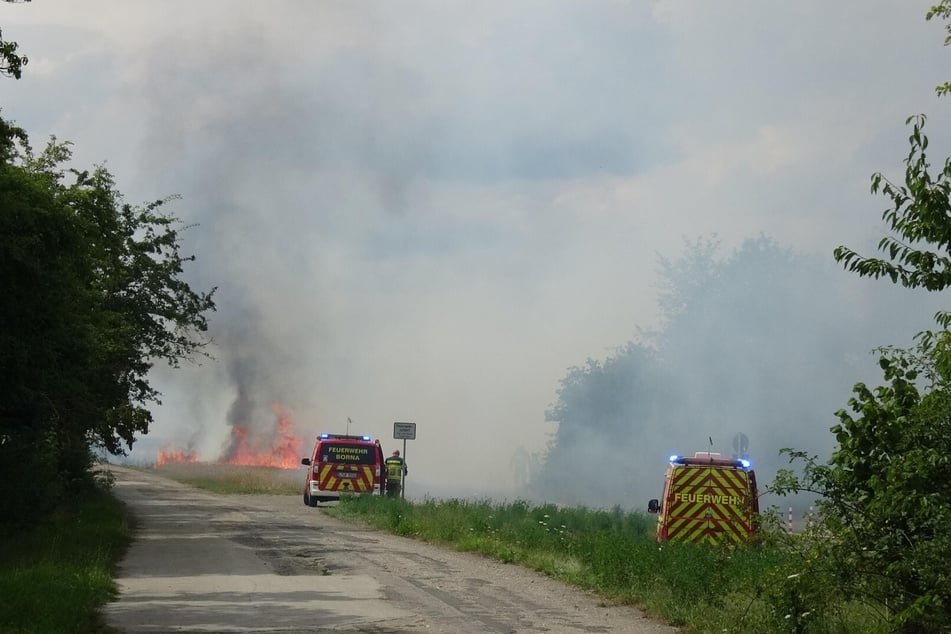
(758,349)
(438,212)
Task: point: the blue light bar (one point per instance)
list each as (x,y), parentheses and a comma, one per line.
(367,438)
(325,435)
(674,458)
(746,464)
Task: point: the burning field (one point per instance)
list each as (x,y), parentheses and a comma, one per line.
(275,445)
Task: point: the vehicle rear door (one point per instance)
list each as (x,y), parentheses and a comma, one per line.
(708,504)
(347,467)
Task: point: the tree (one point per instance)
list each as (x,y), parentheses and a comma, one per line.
(920,215)
(11,64)
(603,410)
(885,493)
(731,355)
(43,337)
(93,296)
(148,311)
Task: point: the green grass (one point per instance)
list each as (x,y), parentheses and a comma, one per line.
(747,589)
(233,479)
(54,577)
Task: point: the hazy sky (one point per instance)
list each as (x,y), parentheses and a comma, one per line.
(428,211)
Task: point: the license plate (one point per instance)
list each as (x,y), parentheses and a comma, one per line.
(346,474)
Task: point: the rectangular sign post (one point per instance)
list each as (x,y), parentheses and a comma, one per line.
(406,431)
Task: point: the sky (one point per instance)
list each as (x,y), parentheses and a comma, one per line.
(428,211)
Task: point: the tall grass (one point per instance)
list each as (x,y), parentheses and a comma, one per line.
(747,589)
(236,479)
(54,577)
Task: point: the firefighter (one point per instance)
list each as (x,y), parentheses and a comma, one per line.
(395,470)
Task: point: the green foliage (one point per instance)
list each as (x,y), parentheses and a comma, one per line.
(920,215)
(885,524)
(66,562)
(93,295)
(11,63)
(886,493)
(774,586)
(942,10)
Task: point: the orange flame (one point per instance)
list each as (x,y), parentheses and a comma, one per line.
(171,454)
(283,449)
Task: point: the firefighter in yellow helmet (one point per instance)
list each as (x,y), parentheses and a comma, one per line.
(395,470)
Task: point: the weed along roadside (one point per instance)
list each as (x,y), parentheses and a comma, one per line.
(56,575)
(729,588)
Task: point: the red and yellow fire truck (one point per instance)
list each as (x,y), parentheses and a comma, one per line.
(342,464)
(707,498)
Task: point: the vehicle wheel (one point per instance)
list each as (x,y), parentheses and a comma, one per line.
(309,501)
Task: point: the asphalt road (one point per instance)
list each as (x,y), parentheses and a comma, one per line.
(213,563)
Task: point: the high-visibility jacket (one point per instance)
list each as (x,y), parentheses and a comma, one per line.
(395,468)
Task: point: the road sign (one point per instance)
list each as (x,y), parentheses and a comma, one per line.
(406,431)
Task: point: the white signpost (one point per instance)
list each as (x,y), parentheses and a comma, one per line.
(404,431)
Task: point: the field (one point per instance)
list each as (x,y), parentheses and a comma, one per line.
(224,478)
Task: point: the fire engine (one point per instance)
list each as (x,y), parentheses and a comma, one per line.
(707,498)
(342,464)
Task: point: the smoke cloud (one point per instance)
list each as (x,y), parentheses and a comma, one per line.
(759,349)
(432,211)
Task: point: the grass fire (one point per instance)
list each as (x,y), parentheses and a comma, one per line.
(275,445)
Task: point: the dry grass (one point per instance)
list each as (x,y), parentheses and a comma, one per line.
(224,478)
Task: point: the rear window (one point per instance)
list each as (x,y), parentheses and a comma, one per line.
(347,453)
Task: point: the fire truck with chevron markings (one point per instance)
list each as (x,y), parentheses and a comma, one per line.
(342,464)
(707,499)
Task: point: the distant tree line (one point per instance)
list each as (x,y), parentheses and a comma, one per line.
(759,340)
(92,296)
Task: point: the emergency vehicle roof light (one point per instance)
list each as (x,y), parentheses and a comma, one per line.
(367,438)
(746,464)
(674,458)
(325,435)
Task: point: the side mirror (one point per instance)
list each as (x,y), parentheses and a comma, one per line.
(305,461)
(653,506)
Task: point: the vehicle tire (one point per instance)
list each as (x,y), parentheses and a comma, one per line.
(309,501)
